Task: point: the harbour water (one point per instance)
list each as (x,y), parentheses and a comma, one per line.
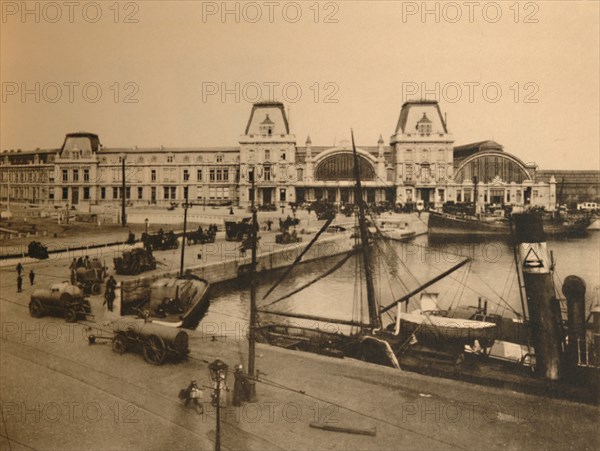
(399,268)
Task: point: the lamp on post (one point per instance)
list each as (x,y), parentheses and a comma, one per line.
(218,374)
(146,222)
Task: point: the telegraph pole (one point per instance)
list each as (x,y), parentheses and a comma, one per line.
(185,209)
(252,331)
(123,187)
(8,193)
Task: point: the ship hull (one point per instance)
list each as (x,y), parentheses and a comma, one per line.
(194,304)
(444,225)
(172,302)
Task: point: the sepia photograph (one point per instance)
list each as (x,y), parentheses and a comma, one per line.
(299,225)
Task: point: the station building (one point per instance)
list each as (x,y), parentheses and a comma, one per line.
(420,163)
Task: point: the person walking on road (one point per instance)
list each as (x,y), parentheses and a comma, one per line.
(19,283)
(31,277)
(192,394)
(19,268)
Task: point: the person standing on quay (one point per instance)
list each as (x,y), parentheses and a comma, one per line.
(109,295)
(240,387)
(19,283)
(19,268)
(31,277)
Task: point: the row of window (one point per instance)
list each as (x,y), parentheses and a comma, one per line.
(496,196)
(169,193)
(29,176)
(425,155)
(218,158)
(77,154)
(74,194)
(267,155)
(169,175)
(75,175)
(25,193)
(424,172)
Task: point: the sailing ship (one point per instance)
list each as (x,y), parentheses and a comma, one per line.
(524,353)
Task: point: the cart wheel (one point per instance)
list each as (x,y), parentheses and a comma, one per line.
(154,350)
(96,288)
(119,344)
(35,309)
(70,315)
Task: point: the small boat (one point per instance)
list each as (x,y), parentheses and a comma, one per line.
(177,302)
(392,230)
(431,325)
(171,301)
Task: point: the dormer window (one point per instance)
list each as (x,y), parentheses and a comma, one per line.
(267,126)
(169,158)
(424,125)
(219,158)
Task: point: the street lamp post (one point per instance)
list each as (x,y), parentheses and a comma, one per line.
(123,187)
(252,331)
(146,222)
(218,374)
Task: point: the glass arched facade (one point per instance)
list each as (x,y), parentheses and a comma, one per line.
(487,167)
(341,167)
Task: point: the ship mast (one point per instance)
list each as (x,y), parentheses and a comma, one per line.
(374,318)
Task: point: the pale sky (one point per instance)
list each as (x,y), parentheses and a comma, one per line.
(174,60)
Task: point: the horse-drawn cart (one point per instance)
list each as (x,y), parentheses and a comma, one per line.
(90,279)
(35,249)
(135,261)
(157,343)
(62,298)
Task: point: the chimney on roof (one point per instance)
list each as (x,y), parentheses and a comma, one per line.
(308,147)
